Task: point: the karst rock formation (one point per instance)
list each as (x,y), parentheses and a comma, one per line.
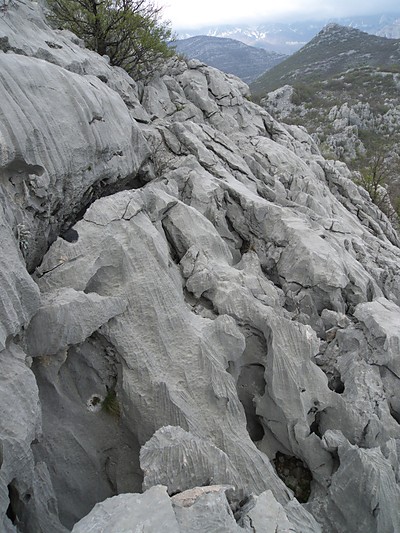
(199,314)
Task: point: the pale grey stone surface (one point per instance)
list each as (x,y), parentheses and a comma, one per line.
(77,141)
(380,319)
(198,510)
(279,102)
(19,295)
(128,513)
(25,486)
(267,515)
(68,317)
(81,400)
(364,482)
(200,462)
(204,509)
(243,290)
(178,345)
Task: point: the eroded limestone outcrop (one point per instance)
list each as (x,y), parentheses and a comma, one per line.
(190,292)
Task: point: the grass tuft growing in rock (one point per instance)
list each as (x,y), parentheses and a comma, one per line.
(110,404)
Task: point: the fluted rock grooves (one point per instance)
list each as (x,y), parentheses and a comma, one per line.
(193,301)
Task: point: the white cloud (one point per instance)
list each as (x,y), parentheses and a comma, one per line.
(186,14)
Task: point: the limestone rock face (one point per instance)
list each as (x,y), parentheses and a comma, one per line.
(55,163)
(191,296)
(267,515)
(340,130)
(19,295)
(150,281)
(200,462)
(69,317)
(279,102)
(26,495)
(151,511)
(368,496)
(204,509)
(192,511)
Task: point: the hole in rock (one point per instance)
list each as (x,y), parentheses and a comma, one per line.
(335,382)
(295,474)
(200,306)
(370,291)
(255,429)
(66,219)
(251,383)
(335,461)
(141,179)
(395,414)
(14,505)
(243,507)
(96,455)
(94,403)
(176,248)
(101,190)
(4,42)
(247,246)
(52,44)
(314,428)
(70,235)
(273,275)
(21,167)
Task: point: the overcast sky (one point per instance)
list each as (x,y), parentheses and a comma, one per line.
(187,14)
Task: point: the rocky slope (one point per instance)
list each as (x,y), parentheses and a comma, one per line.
(334,50)
(193,301)
(353,113)
(348,124)
(229,55)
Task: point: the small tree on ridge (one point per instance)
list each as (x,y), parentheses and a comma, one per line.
(130,32)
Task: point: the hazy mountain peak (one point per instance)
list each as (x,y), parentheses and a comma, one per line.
(288,37)
(333,50)
(229,55)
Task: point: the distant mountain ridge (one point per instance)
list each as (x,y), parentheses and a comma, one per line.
(391,30)
(229,55)
(334,50)
(288,37)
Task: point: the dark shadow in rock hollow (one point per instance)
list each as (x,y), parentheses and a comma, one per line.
(295,474)
(251,382)
(87,445)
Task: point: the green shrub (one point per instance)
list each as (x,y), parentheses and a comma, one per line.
(110,403)
(130,32)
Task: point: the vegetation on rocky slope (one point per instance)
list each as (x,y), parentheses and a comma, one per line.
(130,32)
(334,50)
(350,105)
